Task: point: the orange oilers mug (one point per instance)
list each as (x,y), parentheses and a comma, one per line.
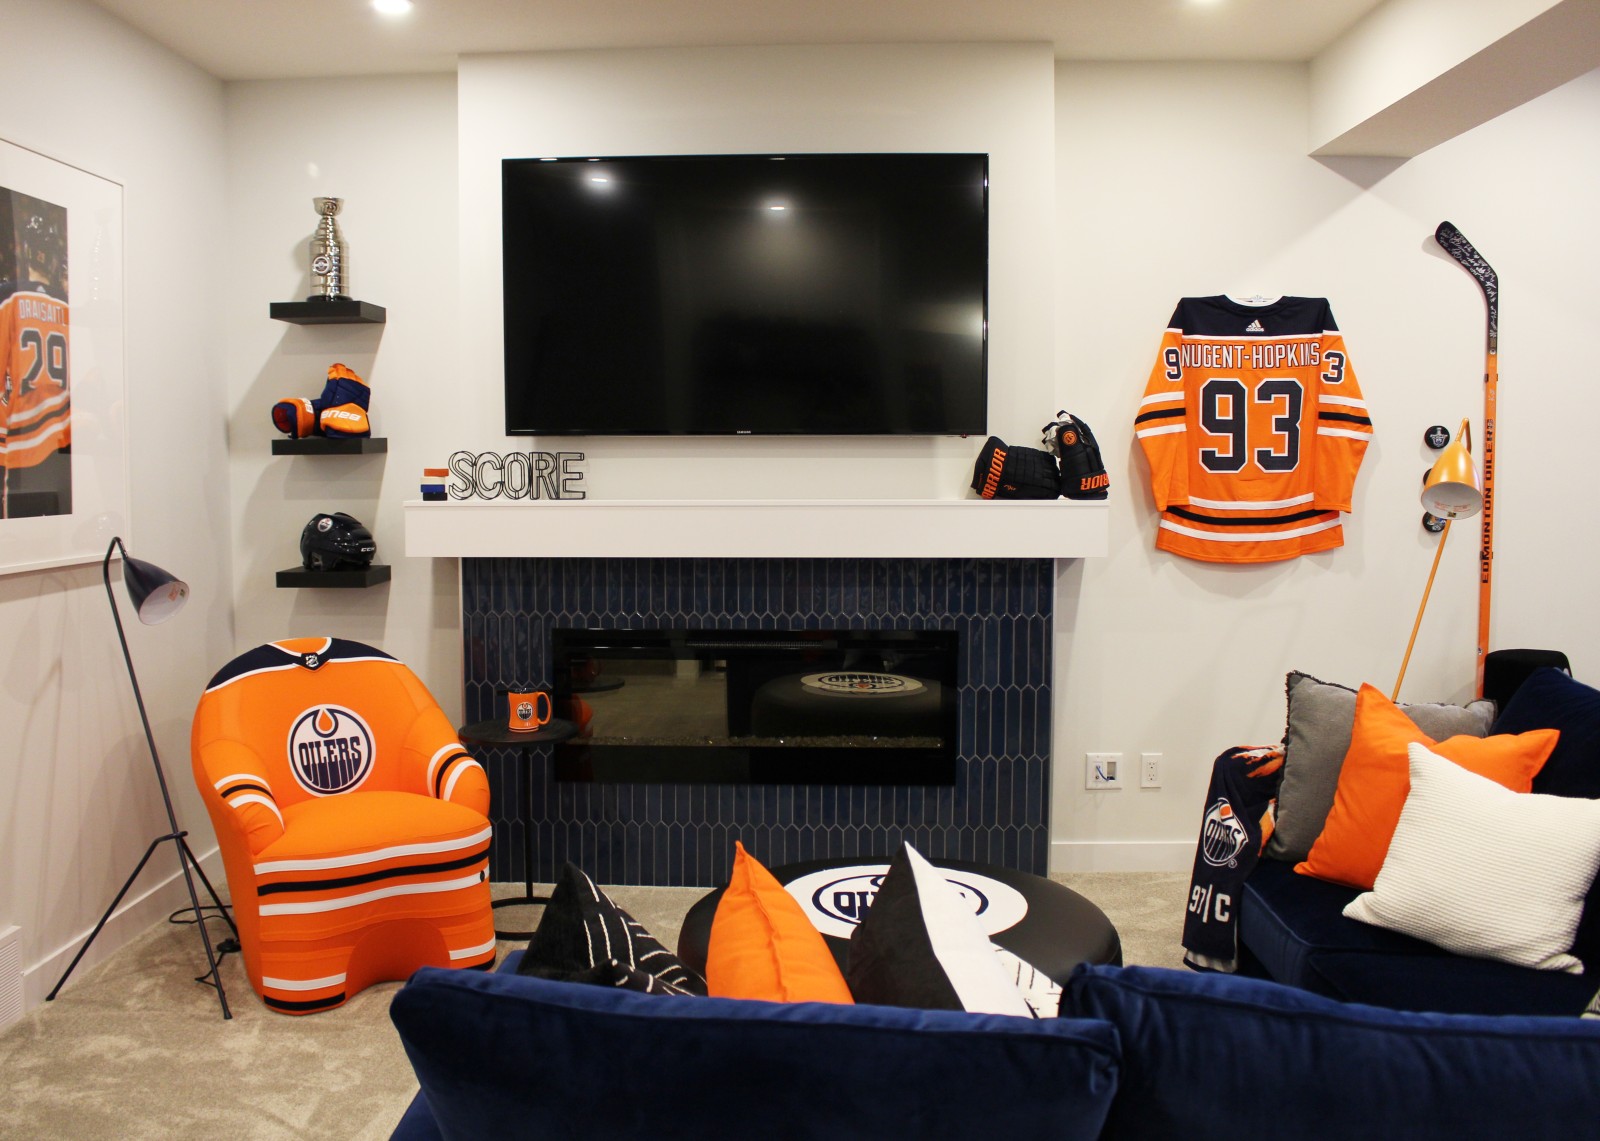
(529,710)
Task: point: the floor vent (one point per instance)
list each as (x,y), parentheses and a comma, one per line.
(10,976)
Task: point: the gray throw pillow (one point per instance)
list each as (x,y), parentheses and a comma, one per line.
(1321,717)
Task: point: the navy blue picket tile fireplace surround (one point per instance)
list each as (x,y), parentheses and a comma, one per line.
(683,834)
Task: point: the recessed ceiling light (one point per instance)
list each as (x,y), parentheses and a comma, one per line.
(391,7)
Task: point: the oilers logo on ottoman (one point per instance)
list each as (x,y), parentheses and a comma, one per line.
(1222,835)
(330,750)
(836,899)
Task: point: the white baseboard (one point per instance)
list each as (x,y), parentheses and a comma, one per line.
(10,976)
(136,914)
(1121,855)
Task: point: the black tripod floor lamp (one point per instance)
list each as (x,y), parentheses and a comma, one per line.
(156,596)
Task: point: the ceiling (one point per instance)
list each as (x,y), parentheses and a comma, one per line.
(284,39)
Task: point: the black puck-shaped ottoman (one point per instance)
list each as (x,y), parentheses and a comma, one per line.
(1042,922)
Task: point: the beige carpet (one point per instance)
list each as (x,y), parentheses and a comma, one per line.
(136,1051)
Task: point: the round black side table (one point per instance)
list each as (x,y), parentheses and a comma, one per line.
(496,734)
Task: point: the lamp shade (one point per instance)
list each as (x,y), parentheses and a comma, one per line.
(156,594)
(1452,490)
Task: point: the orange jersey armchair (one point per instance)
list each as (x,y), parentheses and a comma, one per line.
(353,824)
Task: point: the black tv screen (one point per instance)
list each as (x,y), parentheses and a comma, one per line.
(810,294)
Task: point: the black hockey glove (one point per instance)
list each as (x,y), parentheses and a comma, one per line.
(1004,472)
(1083,473)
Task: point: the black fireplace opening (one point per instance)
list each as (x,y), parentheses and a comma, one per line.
(853,707)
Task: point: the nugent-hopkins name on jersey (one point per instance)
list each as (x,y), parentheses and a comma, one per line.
(1254,428)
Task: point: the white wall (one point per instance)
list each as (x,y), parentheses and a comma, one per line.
(394,149)
(388,148)
(1161,180)
(1125,163)
(1412,73)
(986,98)
(78,799)
(1192,179)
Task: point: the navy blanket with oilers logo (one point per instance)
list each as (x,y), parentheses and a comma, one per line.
(1241,805)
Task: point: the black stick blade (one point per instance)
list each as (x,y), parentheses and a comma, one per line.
(1456,245)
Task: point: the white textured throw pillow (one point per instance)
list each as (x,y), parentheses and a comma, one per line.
(1480,870)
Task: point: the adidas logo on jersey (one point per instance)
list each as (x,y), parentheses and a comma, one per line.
(1255,327)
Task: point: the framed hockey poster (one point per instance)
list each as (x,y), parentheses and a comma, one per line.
(63,422)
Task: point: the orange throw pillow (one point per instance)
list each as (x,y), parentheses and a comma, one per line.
(1376,777)
(763,946)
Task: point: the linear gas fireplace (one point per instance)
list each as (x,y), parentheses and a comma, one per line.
(837,707)
(809,707)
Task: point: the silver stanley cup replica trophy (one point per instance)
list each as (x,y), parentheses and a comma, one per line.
(330,257)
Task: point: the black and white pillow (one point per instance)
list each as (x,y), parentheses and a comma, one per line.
(620,976)
(920,945)
(1041,992)
(583,932)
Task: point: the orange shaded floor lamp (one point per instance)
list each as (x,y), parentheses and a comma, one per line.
(156,596)
(1450,491)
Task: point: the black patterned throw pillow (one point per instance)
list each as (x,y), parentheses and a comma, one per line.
(585,937)
(620,976)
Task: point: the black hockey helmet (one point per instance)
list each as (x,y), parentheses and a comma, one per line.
(336,542)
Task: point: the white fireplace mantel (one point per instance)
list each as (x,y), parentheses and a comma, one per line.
(777,528)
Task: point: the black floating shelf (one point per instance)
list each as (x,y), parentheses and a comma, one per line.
(298,578)
(331,446)
(347,312)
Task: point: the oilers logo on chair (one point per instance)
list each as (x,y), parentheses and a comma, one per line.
(330,750)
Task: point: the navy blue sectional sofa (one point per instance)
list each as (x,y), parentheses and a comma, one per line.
(1138,1052)
(1292,928)
(1344,1050)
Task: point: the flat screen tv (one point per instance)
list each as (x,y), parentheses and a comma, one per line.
(800,294)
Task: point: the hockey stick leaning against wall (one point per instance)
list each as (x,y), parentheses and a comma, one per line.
(1456,245)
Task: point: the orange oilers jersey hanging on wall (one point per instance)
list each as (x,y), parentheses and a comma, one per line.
(37,405)
(1254,427)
